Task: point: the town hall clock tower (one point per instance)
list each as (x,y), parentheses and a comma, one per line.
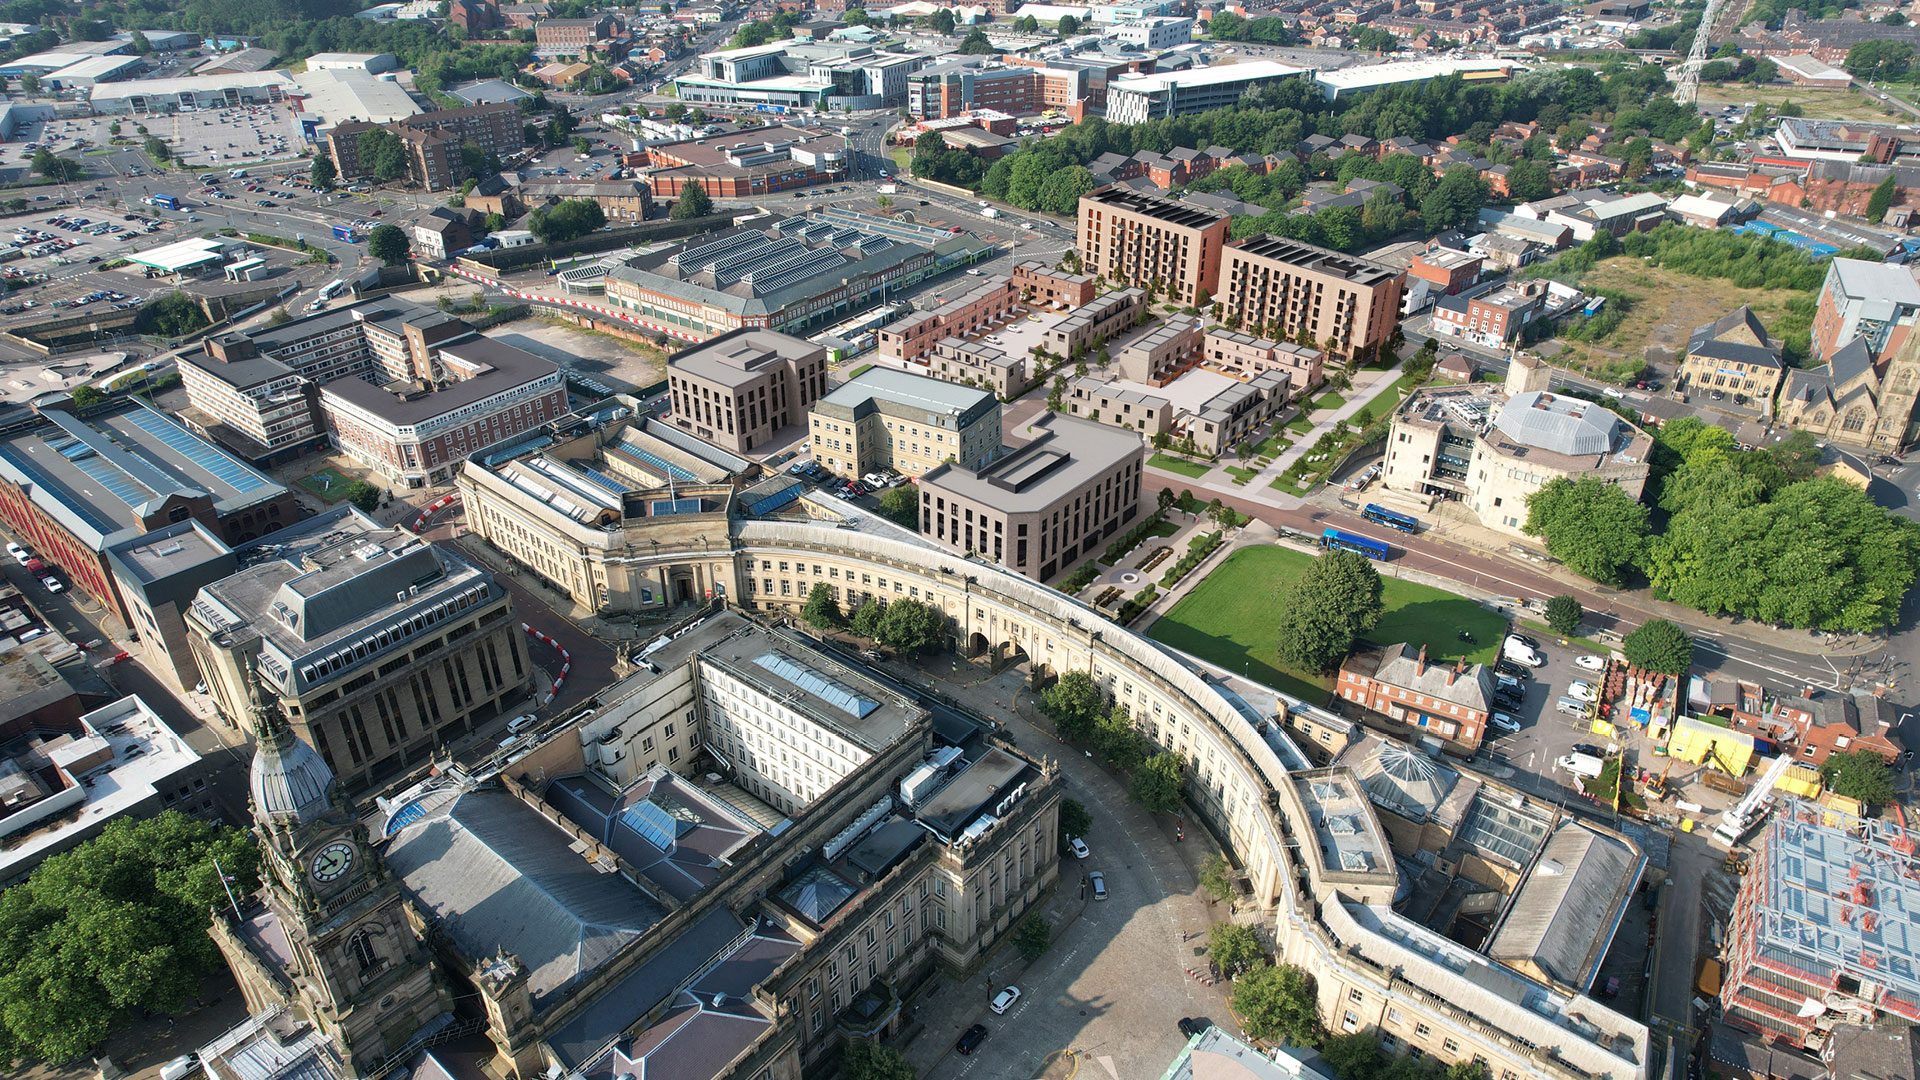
(355,963)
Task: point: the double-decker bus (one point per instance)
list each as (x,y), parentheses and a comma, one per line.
(1346,541)
(1392,519)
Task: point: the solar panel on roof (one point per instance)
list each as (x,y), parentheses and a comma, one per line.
(769,503)
(235,475)
(602,479)
(816,684)
(652,462)
(74,506)
(118,484)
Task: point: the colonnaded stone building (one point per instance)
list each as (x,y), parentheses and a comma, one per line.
(1330,907)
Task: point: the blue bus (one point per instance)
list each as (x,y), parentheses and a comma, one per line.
(166,202)
(1380,515)
(346,233)
(1346,541)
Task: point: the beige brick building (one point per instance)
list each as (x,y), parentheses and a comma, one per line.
(1039,508)
(1346,304)
(1479,446)
(885,419)
(1095,323)
(1243,355)
(378,646)
(1162,354)
(737,389)
(1138,239)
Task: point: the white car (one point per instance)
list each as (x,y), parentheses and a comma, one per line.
(1592,663)
(53,584)
(1004,1000)
(1583,691)
(1505,722)
(1078,847)
(20,554)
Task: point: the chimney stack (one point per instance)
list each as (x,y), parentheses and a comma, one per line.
(1422,669)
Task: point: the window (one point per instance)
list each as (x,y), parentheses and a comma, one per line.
(1422,1030)
(1350,1022)
(1450,1046)
(1356,997)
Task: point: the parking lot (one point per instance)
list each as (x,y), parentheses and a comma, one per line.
(238,135)
(1546,734)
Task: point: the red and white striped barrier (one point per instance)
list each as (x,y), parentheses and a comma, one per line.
(563,301)
(566,661)
(444,501)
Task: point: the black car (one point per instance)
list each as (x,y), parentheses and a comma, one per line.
(1509,699)
(1194,1025)
(976,1035)
(1589,749)
(1511,670)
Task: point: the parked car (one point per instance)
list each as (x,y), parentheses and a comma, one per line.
(1005,1000)
(1582,690)
(1194,1025)
(1511,670)
(1524,640)
(53,584)
(1591,662)
(1505,722)
(20,554)
(521,723)
(971,1039)
(1099,882)
(1078,847)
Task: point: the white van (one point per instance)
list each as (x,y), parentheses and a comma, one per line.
(1583,765)
(1571,706)
(1521,653)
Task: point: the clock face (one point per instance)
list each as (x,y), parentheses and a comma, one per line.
(332,862)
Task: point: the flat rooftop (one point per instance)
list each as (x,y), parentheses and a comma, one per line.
(984,782)
(787,668)
(1343,823)
(739,357)
(1184,215)
(101,477)
(168,551)
(1361,272)
(1064,456)
(1251,71)
(491,367)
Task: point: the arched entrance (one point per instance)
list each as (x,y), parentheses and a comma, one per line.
(977,645)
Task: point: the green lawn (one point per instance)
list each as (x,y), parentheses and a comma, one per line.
(1163,528)
(1330,400)
(1272,446)
(1281,483)
(1300,424)
(1228,619)
(328,483)
(1384,402)
(1241,475)
(1179,465)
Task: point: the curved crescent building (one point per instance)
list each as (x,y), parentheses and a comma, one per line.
(1317,855)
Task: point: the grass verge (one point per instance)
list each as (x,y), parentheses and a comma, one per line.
(1179,465)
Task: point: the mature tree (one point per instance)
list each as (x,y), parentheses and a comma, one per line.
(1881,199)
(1858,774)
(1075,704)
(864,1060)
(173,315)
(1470,1069)
(479,162)
(901,505)
(1659,645)
(56,169)
(1069,26)
(1592,526)
(113,928)
(675,112)
(976,44)
(867,617)
(1528,180)
(1878,59)
(1157,783)
(1216,878)
(1074,821)
(86,397)
(1233,948)
(30,83)
(567,220)
(1355,1056)
(1564,614)
(1166,499)
(1060,193)
(382,154)
(1117,741)
(1455,200)
(941,21)
(822,611)
(322,174)
(139,44)
(1032,937)
(912,627)
(692,203)
(1327,608)
(157,149)
(361,494)
(1279,1004)
(388,244)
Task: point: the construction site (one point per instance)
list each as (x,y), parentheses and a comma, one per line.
(1822,932)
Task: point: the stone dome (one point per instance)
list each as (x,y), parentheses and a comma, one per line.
(289,780)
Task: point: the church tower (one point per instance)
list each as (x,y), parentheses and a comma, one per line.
(1899,390)
(357,965)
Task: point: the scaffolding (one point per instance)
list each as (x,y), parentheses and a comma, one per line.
(1834,903)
